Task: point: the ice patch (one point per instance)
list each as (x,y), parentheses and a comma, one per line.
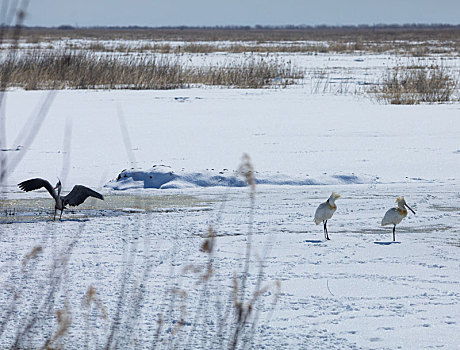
(164,177)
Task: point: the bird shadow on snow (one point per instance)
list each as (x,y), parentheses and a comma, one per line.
(386,243)
(70,219)
(313,241)
(55,221)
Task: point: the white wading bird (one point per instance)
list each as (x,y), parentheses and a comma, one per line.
(325,212)
(75,197)
(395,215)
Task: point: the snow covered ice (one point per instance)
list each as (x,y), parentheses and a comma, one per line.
(359,290)
(165,177)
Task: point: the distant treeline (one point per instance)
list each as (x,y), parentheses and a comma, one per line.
(259,33)
(264,27)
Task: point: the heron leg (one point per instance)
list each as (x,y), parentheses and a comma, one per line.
(394,229)
(54,214)
(60,216)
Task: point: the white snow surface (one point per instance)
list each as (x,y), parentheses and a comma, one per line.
(357,291)
(289,131)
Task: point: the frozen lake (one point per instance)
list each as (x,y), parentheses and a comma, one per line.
(142,245)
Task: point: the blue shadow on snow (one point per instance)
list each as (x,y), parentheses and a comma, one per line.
(386,243)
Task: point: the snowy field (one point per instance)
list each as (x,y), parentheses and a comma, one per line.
(357,291)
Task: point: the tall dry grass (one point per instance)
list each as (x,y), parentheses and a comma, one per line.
(87,70)
(414,85)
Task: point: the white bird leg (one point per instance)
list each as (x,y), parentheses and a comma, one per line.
(394,228)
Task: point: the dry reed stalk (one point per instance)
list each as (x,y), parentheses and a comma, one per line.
(413,85)
(86,70)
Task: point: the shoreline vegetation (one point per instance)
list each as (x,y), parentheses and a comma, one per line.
(42,70)
(140,58)
(415,40)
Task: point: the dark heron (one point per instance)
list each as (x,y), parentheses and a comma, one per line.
(75,197)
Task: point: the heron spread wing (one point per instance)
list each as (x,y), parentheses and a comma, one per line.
(79,194)
(35,184)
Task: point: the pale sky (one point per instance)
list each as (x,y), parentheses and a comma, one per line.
(240,12)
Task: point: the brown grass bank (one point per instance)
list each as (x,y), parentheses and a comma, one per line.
(413,40)
(87,70)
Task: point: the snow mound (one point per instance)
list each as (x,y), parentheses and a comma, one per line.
(164,177)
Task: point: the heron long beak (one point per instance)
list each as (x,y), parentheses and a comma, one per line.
(410,209)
